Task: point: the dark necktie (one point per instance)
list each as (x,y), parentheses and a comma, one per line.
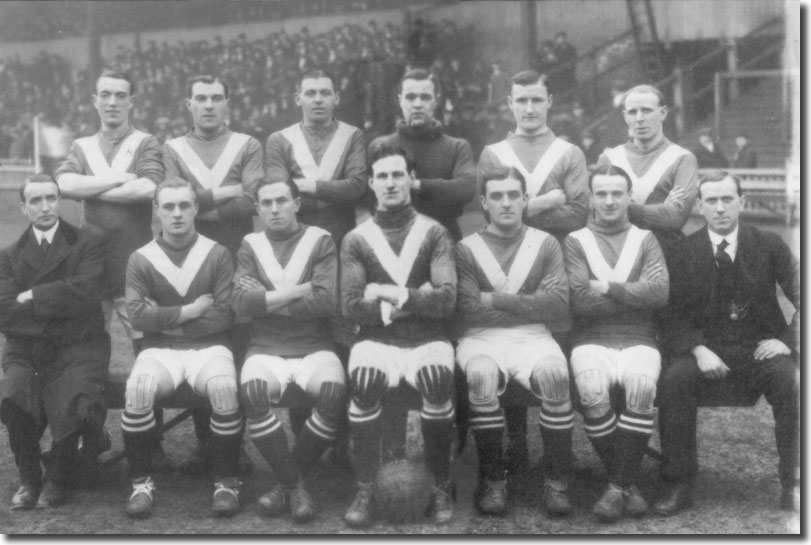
(723,259)
(44,245)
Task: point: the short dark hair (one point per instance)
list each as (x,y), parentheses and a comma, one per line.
(205,78)
(381,149)
(501,172)
(529,77)
(38,179)
(173,182)
(420,74)
(315,73)
(718,176)
(294,190)
(117,75)
(610,170)
(644,88)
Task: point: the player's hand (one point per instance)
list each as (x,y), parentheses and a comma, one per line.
(249,283)
(600,286)
(710,365)
(556,198)
(203,303)
(769,348)
(124,177)
(389,292)
(675,195)
(27,295)
(232,191)
(486,298)
(150,302)
(305,185)
(371,293)
(397,314)
(426,287)
(652,270)
(549,282)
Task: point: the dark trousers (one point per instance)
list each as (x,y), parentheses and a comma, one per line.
(23,437)
(679,390)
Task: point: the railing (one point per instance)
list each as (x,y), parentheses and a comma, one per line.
(767,195)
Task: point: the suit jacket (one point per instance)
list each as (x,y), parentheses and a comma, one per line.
(763,261)
(710,159)
(745,158)
(56,353)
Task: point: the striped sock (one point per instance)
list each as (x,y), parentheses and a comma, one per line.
(364,427)
(270,440)
(488,432)
(437,435)
(314,439)
(601,431)
(226,437)
(633,432)
(138,431)
(556,433)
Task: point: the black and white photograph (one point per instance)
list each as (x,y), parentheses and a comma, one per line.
(400,267)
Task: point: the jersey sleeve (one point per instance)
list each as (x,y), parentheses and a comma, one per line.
(149,160)
(247,303)
(670,214)
(650,290)
(440,300)
(322,301)
(460,188)
(350,189)
(219,317)
(573,180)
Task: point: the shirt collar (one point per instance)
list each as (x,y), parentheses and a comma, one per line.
(49,234)
(731,238)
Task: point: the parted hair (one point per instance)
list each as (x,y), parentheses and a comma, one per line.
(529,77)
(610,170)
(501,172)
(173,182)
(315,73)
(38,179)
(420,74)
(113,74)
(644,88)
(718,176)
(382,148)
(205,78)
(294,190)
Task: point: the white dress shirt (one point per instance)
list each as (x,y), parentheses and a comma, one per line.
(732,243)
(48,235)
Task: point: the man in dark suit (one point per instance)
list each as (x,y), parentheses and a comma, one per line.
(56,353)
(708,153)
(725,323)
(745,156)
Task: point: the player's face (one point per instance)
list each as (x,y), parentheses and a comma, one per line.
(504,203)
(391,182)
(277,208)
(208,105)
(317,99)
(644,116)
(610,199)
(418,101)
(176,208)
(112,101)
(721,205)
(41,204)
(530,105)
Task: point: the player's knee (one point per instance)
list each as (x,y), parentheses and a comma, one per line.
(640,393)
(482,380)
(593,387)
(331,402)
(550,383)
(435,383)
(141,391)
(368,385)
(222,394)
(255,395)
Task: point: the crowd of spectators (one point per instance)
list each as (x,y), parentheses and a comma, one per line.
(368,60)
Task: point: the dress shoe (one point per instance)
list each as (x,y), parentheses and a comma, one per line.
(52,495)
(556,498)
(493,497)
(25,498)
(789,499)
(273,503)
(678,496)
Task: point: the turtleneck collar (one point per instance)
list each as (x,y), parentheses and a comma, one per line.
(652,149)
(398,217)
(168,247)
(606,229)
(420,132)
(286,235)
(320,129)
(545,133)
(205,138)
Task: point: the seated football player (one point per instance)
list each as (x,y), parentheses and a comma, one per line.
(398,282)
(617,278)
(286,284)
(179,295)
(512,289)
